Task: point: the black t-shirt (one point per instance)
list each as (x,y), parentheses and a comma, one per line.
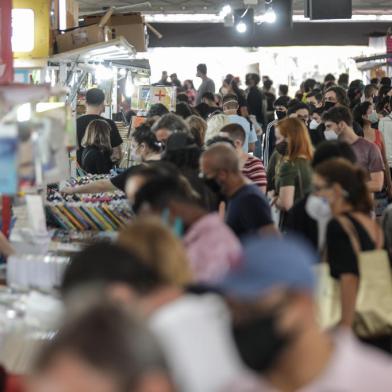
(81,125)
(248,211)
(299,222)
(255,104)
(96,161)
(341,256)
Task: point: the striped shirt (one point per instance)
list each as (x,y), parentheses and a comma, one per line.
(254,170)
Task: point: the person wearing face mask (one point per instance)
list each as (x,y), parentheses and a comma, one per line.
(333,97)
(293,176)
(144,146)
(230,108)
(280,105)
(345,188)
(316,119)
(309,217)
(302,111)
(212,248)
(340,121)
(248,210)
(367,117)
(277,333)
(315,98)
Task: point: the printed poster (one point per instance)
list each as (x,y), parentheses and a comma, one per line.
(6,57)
(146,96)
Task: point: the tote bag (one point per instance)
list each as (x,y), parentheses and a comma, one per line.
(373,310)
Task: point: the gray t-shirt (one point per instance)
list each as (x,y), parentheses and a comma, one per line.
(368,155)
(208,86)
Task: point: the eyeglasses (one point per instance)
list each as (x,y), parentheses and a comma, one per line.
(319,188)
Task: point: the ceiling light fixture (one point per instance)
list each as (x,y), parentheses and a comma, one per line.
(226,10)
(270,16)
(241,27)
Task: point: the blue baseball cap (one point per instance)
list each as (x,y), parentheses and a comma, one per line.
(269,263)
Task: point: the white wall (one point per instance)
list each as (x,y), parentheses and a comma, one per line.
(284,65)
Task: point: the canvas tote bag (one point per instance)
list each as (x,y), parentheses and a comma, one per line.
(373,313)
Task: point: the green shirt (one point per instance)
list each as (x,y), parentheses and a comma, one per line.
(297,173)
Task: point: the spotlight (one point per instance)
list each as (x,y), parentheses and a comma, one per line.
(244,20)
(270,16)
(226,10)
(241,27)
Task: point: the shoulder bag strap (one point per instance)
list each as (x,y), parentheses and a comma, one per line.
(352,233)
(379,237)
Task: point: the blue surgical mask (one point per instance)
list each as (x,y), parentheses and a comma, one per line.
(373,117)
(177,226)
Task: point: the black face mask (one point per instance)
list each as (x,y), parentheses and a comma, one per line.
(280,114)
(328,105)
(213,185)
(259,343)
(282,148)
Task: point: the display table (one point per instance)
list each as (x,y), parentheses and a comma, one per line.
(26,320)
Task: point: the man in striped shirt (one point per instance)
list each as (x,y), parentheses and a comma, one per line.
(251,167)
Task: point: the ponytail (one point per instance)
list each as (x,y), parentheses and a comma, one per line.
(353,180)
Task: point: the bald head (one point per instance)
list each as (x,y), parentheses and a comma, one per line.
(221,156)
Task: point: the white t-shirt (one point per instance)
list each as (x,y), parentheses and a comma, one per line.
(194,332)
(353,367)
(250,133)
(385,126)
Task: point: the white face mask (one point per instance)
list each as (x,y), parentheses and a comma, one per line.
(135,156)
(318,208)
(313,124)
(330,135)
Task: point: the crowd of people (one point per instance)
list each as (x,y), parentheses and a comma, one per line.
(245,202)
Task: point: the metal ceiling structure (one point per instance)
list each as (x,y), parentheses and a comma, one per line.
(214,6)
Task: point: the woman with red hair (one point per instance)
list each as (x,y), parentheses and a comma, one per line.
(294,175)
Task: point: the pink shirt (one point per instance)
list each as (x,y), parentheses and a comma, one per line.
(212,248)
(353,367)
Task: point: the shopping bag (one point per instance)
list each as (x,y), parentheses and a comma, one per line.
(373,310)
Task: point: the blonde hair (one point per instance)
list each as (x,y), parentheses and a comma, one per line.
(215,124)
(198,128)
(157,246)
(298,139)
(98,134)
